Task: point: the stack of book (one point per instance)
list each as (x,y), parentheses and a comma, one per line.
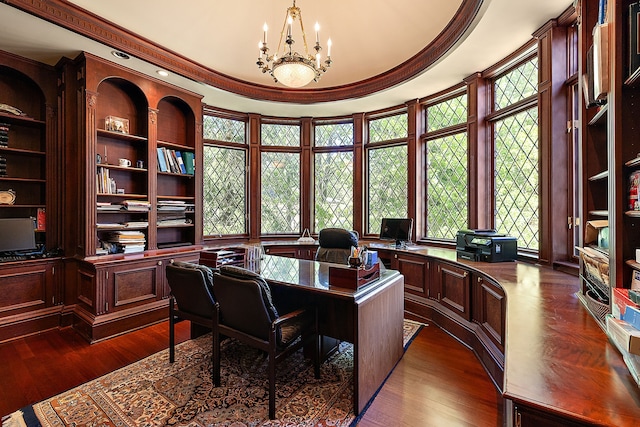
(174,161)
(136,205)
(109,207)
(4,142)
(173,213)
(127,241)
(4,134)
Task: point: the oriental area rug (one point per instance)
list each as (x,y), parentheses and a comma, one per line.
(154,392)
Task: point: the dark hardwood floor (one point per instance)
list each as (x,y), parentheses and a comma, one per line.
(438,381)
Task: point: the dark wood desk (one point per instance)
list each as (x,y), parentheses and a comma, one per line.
(370,318)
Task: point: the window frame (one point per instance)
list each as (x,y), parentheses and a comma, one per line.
(224,114)
(368,231)
(494,116)
(428,136)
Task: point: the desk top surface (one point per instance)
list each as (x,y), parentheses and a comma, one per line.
(312,275)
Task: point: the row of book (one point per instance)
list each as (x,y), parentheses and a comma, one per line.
(4,142)
(104,183)
(173,206)
(173,213)
(4,134)
(175,161)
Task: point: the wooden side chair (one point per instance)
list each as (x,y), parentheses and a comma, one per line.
(191,298)
(247,313)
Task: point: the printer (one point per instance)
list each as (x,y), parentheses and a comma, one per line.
(486,245)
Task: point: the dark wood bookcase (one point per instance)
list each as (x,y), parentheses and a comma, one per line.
(31,295)
(611,153)
(115,292)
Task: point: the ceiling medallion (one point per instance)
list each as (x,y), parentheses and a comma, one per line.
(287,66)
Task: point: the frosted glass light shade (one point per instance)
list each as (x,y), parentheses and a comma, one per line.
(294,74)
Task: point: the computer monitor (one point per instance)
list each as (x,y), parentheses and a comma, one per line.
(17,234)
(396,229)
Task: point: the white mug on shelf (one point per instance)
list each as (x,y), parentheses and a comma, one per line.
(124,162)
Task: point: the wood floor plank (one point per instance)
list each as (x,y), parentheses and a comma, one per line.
(438,381)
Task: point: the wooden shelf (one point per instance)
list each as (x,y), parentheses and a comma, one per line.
(633,214)
(22,151)
(185,175)
(186,198)
(600,176)
(27,180)
(22,206)
(121,136)
(634,79)
(21,120)
(633,264)
(633,162)
(172,145)
(122,168)
(124,196)
(600,117)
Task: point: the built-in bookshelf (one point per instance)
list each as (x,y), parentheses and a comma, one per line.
(129,120)
(595,292)
(27,130)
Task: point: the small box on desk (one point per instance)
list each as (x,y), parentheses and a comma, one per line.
(353,278)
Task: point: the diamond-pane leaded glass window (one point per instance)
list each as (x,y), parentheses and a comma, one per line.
(516,85)
(334,190)
(447,113)
(280,193)
(221,129)
(388,185)
(280,135)
(447,206)
(516,182)
(388,128)
(334,135)
(224,191)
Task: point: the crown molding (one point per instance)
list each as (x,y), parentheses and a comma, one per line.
(78,20)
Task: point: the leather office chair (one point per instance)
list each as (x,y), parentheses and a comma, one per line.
(247,313)
(191,298)
(335,245)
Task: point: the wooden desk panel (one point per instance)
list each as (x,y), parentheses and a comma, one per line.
(370,318)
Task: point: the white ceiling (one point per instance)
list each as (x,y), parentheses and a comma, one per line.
(369,37)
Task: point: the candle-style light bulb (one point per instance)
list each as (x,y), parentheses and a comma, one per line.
(317,33)
(265,28)
(318,60)
(289,22)
(329,47)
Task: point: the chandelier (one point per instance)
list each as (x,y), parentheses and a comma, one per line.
(287,66)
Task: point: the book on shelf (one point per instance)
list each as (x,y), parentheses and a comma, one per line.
(188,157)
(180,162)
(41,220)
(136,224)
(603,12)
(162,163)
(136,205)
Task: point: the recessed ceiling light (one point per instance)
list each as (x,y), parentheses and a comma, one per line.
(163,73)
(119,54)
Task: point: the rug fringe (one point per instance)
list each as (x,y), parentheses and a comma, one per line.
(14,420)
